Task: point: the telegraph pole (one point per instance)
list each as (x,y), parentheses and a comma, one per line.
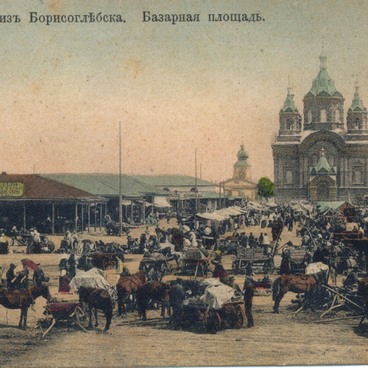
(120,187)
(195,182)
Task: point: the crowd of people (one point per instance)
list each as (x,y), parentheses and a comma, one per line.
(316,232)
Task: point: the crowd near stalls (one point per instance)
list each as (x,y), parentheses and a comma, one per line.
(182,268)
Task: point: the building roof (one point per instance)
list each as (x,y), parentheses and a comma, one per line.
(163,181)
(333,205)
(36,187)
(357,103)
(323,167)
(323,82)
(242,157)
(107,185)
(289,105)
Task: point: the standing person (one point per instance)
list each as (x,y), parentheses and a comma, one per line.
(261,238)
(4,244)
(266,240)
(11,277)
(39,276)
(219,272)
(251,240)
(22,278)
(285,266)
(248,291)
(177,297)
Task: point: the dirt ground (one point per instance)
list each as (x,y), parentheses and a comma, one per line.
(275,340)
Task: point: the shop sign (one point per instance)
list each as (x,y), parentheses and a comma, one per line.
(14,189)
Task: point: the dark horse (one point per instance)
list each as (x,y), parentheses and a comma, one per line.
(155,291)
(97,299)
(22,299)
(296,284)
(276,230)
(126,286)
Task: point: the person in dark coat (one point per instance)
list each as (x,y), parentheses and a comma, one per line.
(177,296)
(248,291)
(219,271)
(10,277)
(285,266)
(39,276)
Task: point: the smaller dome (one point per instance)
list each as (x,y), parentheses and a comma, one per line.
(242,155)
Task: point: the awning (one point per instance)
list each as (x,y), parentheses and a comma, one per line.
(213,216)
(161,202)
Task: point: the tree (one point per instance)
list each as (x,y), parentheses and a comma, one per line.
(266,187)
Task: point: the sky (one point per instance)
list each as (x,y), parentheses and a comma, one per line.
(202,87)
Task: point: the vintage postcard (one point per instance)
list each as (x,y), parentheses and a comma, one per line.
(156,145)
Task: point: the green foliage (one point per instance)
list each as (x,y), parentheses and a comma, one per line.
(266,187)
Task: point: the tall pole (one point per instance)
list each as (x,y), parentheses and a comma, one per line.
(220,199)
(195,180)
(120,188)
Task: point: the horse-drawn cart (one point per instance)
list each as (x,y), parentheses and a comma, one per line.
(261,262)
(195,263)
(158,261)
(69,313)
(213,306)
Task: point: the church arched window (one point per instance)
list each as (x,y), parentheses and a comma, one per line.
(323,116)
(309,116)
(358,172)
(357,123)
(289,124)
(337,115)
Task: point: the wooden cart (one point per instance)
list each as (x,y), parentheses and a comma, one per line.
(69,313)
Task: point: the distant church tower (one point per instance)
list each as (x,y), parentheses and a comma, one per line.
(242,170)
(240,186)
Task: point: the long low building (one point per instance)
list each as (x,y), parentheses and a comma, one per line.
(52,207)
(138,197)
(55,203)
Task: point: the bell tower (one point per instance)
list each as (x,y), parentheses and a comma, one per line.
(357,116)
(289,119)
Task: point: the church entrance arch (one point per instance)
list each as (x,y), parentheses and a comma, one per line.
(322,188)
(323,191)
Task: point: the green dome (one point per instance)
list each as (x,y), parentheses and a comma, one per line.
(242,155)
(323,82)
(289,105)
(357,104)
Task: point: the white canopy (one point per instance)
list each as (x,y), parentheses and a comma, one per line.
(217,293)
(213,216)
(161,202)
(91,278)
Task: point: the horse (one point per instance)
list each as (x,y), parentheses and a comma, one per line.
(276,230)
(113,228)
(296,284)
(22,299)
(155,291)
(97,299)
(126,286)
(176,237)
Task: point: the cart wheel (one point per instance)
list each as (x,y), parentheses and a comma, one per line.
(81,318)
(213,322)
(234,316)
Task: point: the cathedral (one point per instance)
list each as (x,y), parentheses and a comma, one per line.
(241,184)
(320,156)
